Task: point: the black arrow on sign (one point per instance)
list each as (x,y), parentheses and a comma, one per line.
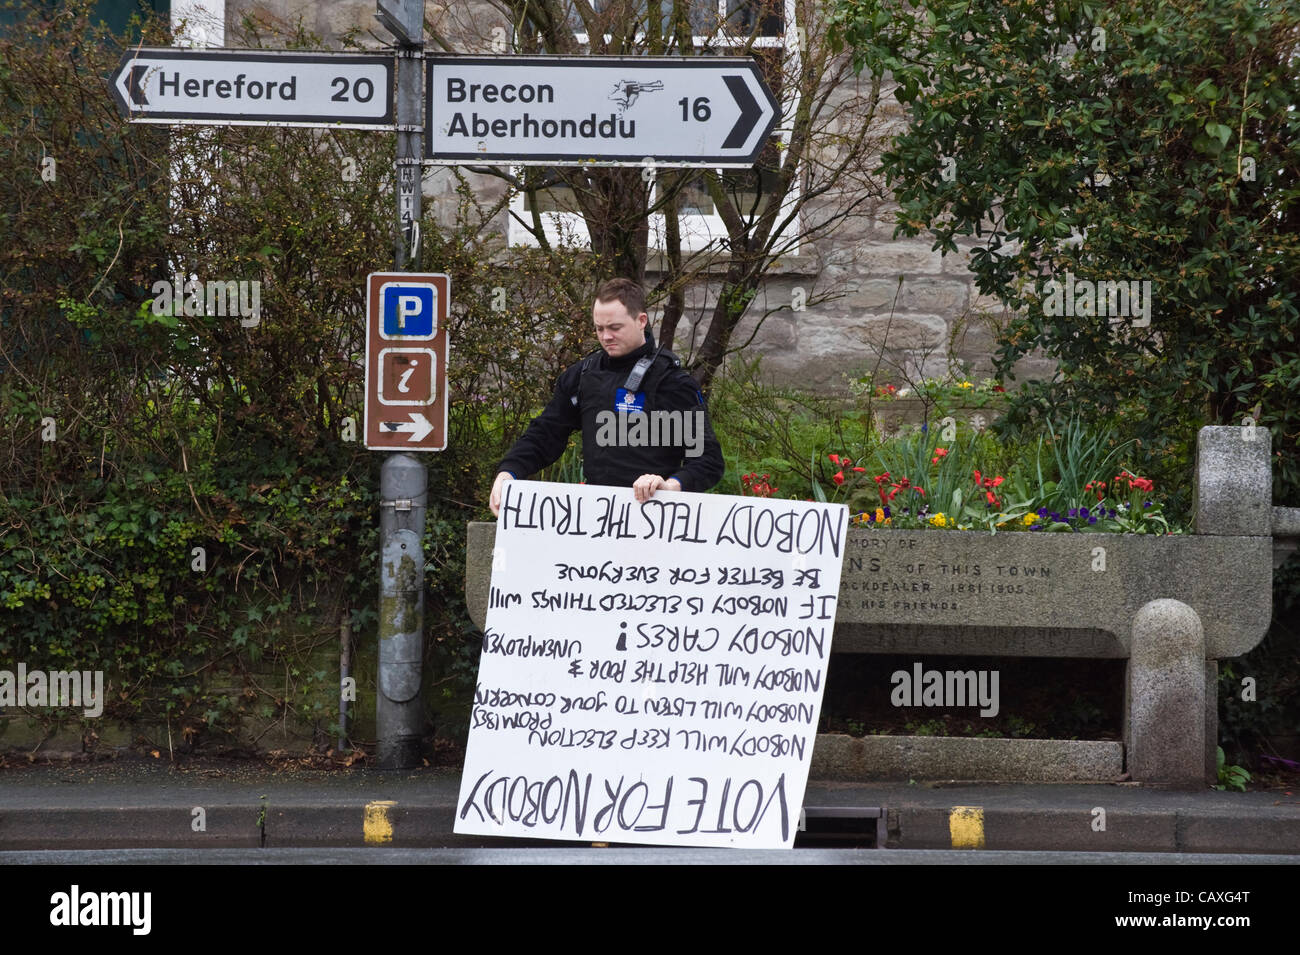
(133,85)
(749,112)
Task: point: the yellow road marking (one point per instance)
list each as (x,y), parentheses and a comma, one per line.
(377,826)
(966,825)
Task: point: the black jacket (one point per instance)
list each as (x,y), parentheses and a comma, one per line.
(617,452)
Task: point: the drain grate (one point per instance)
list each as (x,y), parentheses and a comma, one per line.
(843,827)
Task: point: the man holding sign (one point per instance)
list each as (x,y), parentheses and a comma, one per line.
(643,419)
(652,665)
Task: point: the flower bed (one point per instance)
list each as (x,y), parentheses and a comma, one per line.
(934,478)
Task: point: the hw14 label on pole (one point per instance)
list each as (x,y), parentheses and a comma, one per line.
(406,361)
(254,88)
(598,110)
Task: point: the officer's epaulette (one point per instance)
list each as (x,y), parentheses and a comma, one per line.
(673,359)
(587,363)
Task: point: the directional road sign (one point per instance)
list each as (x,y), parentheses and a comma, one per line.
(243,87)
(406,361)
(598,110)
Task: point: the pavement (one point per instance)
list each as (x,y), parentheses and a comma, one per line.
(640,855)
(223,804)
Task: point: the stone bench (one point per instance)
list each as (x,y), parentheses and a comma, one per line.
(1171,606)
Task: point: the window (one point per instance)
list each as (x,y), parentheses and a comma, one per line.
(768,15)
(719,27)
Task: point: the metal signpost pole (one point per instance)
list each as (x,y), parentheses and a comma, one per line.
(403,480)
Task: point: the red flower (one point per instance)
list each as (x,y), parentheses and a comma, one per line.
(835,458)
(999,389)
(860,470)
(758,487)
(880,480)
(902,484)
(838,477)
(987,483)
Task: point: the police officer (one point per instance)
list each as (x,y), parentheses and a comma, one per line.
(672,448)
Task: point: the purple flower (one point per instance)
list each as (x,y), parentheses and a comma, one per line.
(1083,512)
(1042,512)
(1074,512)
(1111,512)
(1092,520)
(886,510)
(1055,516)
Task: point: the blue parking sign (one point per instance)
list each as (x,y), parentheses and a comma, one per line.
(408,310)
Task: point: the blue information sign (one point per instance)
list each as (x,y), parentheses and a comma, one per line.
(408,310)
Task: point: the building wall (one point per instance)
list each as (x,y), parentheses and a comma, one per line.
(895,307)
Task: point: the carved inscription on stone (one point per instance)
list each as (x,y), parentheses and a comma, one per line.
(896,574)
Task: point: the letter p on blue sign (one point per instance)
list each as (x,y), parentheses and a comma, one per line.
(408,310)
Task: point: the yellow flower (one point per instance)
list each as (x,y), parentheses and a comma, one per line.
(966,384)
(880,515)
(1030,518)
(938,520)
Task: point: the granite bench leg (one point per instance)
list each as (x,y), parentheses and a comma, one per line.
(1166,712)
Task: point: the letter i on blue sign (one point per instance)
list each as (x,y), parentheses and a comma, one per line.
(408,310)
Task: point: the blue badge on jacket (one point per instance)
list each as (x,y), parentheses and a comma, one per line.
(629,401)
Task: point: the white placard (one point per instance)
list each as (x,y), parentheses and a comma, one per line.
(651,673)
